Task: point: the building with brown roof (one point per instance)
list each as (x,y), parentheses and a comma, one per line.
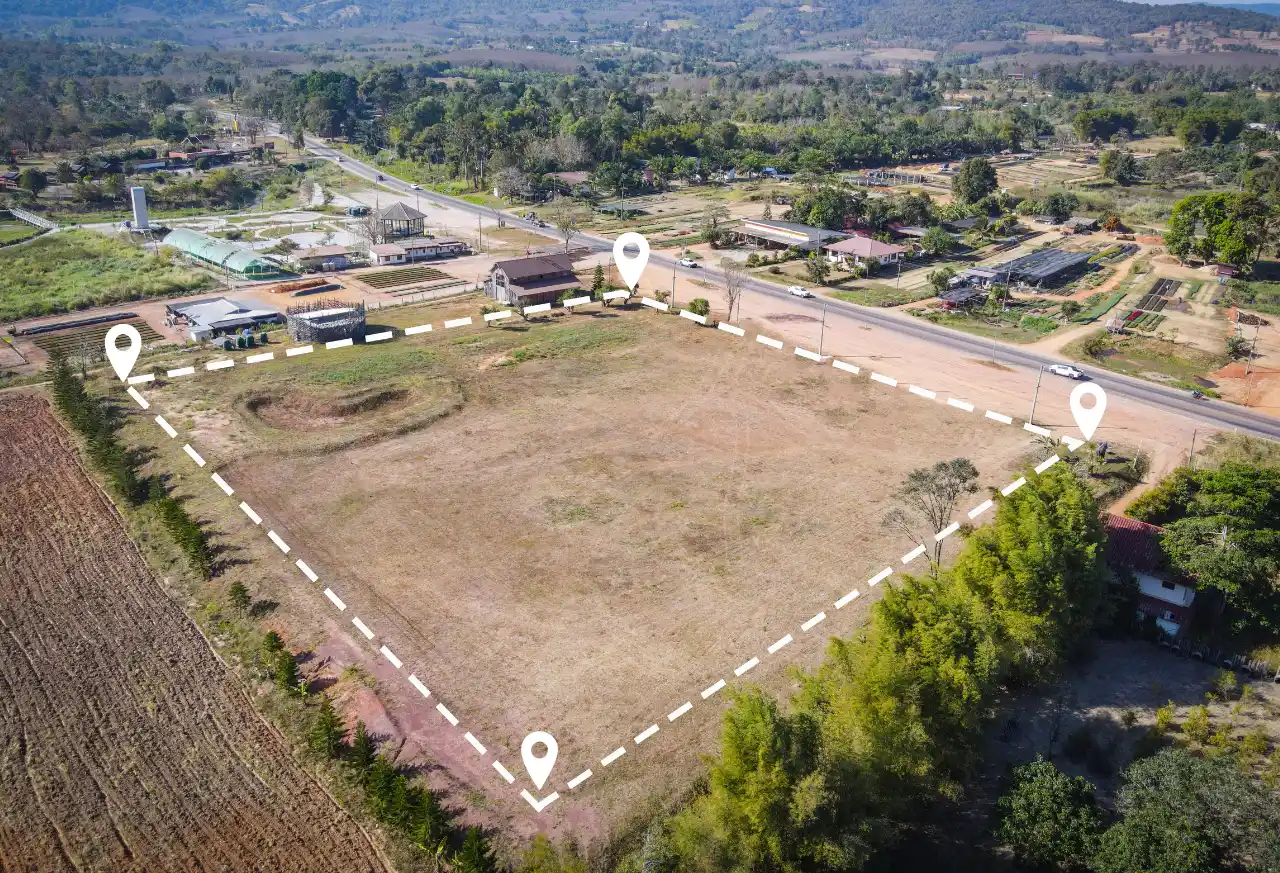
(857,249)
(1134,546)
(532,280)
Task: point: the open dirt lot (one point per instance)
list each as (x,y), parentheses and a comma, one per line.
(126,745)
(577,525)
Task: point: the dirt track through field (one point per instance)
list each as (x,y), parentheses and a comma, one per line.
(124,743)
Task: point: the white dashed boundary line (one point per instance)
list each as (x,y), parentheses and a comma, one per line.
(720,684)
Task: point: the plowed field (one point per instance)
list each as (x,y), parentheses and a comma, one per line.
(124,743)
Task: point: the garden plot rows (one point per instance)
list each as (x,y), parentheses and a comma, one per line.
(1146,315)
(393,278)
(128,746)
(70,341)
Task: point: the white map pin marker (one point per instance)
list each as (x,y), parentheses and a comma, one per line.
(539,767)
(631,268)
(123,359)
(1088,417)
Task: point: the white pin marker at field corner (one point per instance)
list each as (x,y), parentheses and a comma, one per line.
(539,766)
(123,359)
(631,268)
(1088,417)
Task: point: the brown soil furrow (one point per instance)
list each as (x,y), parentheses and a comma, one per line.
(124,743)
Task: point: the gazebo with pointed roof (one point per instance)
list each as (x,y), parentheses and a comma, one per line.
(399,221)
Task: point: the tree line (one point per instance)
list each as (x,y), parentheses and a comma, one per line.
(96,420)
(888,727)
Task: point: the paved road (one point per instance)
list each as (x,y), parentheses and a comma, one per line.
(1218,413)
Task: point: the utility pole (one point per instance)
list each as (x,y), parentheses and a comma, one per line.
(898,280)
(480,233)
(1035,397)
(1193,451)
(822,331)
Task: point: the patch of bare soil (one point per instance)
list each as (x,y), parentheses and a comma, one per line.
(125,745)
(298,411)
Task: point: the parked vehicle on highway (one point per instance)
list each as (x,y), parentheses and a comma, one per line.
(797,291)
(1065,370)
(339,158)
(687,262)
(381,178)
(416,187)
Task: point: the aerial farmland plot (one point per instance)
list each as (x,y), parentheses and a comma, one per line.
(576,525)
(125,744)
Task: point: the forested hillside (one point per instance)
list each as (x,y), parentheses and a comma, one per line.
(939,23)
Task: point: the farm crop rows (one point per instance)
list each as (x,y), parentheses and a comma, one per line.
(91,337)
(392,278)
(127,744)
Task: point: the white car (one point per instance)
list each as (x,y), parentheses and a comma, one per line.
(416,187)
(797,291)
(687,262)
(1065,370)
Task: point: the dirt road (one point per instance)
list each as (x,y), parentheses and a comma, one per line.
(126,745)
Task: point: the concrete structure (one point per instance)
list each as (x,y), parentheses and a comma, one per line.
(785,235)
(226,256)
(857,249)
(138,198)
(1134,546)
(218,316)
(530,281)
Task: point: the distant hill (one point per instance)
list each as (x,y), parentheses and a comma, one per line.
(960,20)
(1264,8)
(934,21)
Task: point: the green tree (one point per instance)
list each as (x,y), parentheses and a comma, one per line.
(326,731)
(700,306)
(817,268)
(1060,205)
(598,284)
(936,241)
(286,672)
(1069,309)
(1222,528)
(1187,814)
(1039,564)
(1120,166)
(975,180)
(931,494)
(271,643)
(475,856)
(33,181)
(713,217)
(1049,819)
(362,751)
(940,279)
(759,812)
(238,597)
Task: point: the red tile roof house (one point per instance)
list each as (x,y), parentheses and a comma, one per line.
(1135,546)
(856,249)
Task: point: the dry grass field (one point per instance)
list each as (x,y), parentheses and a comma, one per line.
(576,525)
(124,743)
